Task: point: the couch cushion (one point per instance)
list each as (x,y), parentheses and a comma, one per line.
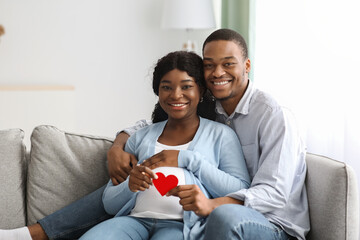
(63,167)
(12,179)
(333,199)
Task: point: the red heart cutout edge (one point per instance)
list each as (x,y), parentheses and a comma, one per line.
(164,184)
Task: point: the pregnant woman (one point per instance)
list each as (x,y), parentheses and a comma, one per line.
(173,200)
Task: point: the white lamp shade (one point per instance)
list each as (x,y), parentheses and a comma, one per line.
(188,14)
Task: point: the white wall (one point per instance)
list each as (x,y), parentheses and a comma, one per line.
(104,48)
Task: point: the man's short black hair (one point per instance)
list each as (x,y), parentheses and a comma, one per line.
(228,35)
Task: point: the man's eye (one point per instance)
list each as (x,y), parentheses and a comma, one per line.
(228,64)
(208,66)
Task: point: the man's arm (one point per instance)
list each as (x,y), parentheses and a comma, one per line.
(120,162)
(281,166)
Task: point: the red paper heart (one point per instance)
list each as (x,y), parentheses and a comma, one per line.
(164,184)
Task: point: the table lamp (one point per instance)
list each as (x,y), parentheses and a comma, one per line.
(188,15)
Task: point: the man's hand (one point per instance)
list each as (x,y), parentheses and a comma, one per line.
(140,178)
(165,158)
(193,199)
(120,162)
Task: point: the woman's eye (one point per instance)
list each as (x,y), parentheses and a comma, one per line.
(186,87)
(165,87)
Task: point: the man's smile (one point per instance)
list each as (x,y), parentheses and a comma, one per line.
(220,83)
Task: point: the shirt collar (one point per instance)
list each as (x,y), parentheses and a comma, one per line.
(243,106)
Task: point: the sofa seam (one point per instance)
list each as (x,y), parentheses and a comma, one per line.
(90,137)
(77,134)
(347,201)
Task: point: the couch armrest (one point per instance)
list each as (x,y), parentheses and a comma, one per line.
(13,167)
(333,199)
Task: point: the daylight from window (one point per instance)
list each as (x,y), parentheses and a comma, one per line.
(307,56)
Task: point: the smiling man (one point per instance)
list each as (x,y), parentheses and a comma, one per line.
(275,206)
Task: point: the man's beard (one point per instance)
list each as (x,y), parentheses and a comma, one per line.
(224,98)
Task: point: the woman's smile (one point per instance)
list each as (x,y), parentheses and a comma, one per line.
(178,106)
(179,95)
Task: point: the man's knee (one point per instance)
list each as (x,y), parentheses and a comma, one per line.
(226,215)
(233,221)
(225,221)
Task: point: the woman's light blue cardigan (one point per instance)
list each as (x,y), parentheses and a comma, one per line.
(214,161)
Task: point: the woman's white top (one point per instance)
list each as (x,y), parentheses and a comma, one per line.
(150,203)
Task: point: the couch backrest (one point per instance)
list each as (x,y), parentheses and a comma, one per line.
(63,167)
(333,199)
(12,179)
(66,166)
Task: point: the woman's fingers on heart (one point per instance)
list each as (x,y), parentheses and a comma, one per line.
(150,172)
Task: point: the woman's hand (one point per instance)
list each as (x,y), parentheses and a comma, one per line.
(193,199)
(140,178)
(165,158)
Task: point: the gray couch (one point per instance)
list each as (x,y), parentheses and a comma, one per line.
(63,167)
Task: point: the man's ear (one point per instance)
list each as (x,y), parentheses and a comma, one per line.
(247,65)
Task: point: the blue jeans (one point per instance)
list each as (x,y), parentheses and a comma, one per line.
(232,221)
(225,222)
(75,219)
(132,228)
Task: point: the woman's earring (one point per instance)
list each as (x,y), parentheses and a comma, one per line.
(201,99)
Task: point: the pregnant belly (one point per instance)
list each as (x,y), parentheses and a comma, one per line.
(153,203)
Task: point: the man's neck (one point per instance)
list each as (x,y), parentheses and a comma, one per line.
(231,103)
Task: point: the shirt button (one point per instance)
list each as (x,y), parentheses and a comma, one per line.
(228,123)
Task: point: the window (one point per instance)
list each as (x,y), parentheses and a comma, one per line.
(308,57)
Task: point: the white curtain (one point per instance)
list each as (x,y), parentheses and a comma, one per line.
(308,57)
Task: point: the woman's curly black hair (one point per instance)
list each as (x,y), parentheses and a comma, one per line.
(192,64)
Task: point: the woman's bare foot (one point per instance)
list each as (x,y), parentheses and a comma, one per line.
(37,232)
